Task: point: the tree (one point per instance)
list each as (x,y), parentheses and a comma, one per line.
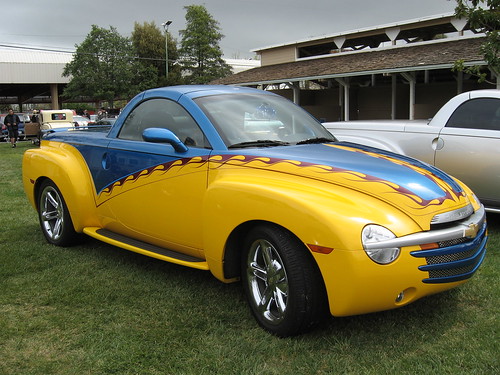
(200,53)
(149,43)
(483,16)
(105,68)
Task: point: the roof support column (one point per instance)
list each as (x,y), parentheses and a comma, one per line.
(496,76)
(460,82)
(392,34)
(345,85)
(54,96)
(459,25)
(394,80)
(296,92)
(410,77)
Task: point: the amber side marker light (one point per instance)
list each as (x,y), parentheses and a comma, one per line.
(320,249)
(429,246)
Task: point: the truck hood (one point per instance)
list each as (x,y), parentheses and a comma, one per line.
(379,125)
(409,184)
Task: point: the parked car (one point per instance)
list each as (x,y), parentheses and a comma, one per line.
(80,120)
(463,139)
(247,185)
(56,119)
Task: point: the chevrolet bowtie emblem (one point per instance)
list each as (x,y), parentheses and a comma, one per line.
(471,231)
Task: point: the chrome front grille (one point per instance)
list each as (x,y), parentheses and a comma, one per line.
(455,260)
(460,249)
(449,273)
(456,241)
(448,258)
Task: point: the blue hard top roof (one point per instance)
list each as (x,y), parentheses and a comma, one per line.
(202,90)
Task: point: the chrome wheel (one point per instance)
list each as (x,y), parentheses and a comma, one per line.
(268,282)
(282,282)
(51,213)
(54,216)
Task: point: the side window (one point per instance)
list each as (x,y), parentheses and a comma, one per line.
(481,113)
(163,113)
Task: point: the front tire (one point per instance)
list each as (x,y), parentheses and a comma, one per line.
(54,216)
(282,282)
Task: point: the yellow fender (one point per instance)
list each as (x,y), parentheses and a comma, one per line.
(67,169)
(315,214)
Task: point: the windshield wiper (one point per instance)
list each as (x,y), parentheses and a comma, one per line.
(259,143)
(316,140)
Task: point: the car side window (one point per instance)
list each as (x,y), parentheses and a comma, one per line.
(481,113)
(166,114)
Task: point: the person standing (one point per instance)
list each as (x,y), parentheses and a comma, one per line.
(35,116)
(12,122)
(102,114)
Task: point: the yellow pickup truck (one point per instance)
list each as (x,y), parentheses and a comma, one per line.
(248,186)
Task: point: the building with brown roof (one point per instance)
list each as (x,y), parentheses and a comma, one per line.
(399,70)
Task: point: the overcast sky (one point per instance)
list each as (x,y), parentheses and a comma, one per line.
(246,24)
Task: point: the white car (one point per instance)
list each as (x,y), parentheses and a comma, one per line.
(80,120)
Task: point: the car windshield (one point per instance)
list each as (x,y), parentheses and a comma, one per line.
(253,120)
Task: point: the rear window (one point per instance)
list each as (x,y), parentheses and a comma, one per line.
(58,116)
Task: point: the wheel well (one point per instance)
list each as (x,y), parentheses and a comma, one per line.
(36,190)
(232,252)
(233,249)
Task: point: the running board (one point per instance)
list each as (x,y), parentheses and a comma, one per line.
(144,248)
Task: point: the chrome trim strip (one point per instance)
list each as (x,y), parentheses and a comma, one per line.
(460,230)
(453,249)
(454,215)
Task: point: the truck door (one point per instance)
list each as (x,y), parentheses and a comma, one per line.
(150,191)
(470,147)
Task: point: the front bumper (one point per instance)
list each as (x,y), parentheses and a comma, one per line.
(430,262)
(452,253)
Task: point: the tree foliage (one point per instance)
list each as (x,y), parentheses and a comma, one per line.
(104,68)
(483,16)
(107,66)
(200,53)
(149,43)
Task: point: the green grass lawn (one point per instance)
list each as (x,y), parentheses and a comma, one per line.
(96,309)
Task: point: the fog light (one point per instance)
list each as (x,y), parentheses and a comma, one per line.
(400,297)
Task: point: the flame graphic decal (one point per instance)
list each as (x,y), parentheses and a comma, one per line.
(293,167)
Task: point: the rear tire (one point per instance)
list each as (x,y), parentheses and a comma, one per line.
(54,216)
(282,282)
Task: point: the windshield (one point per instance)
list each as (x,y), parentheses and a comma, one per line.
(254,120)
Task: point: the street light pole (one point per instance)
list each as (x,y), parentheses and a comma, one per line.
(165,26)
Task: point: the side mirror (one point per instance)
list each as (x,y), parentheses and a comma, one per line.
(160,135)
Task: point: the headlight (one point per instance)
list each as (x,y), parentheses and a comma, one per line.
(373,234)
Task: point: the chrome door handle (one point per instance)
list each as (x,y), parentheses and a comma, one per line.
(437,143)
